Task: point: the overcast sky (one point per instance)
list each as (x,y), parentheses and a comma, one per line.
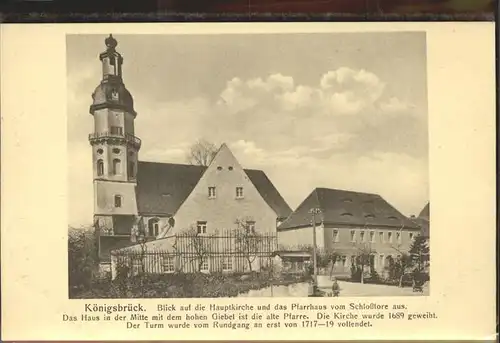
(345,111)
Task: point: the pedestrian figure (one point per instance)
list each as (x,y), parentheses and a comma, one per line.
(335,287)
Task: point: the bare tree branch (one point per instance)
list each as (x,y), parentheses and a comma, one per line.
(201,153)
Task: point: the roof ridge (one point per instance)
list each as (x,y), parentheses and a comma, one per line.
(346,191)
(196,166)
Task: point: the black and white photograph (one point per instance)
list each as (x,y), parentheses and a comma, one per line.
(247,165)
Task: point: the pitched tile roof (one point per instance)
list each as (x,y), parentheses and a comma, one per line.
(163,187)
(346,208)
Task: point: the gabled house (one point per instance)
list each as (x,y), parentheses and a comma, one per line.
(350,223)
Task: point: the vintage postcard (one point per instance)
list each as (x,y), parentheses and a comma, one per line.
(230,181)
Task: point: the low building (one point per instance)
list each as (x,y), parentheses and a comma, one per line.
(351,224)
(292,261)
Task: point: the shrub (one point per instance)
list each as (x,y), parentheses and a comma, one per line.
(82,258)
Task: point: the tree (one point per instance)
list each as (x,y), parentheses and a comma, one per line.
(419,253)
(364,257)
(201,153)
(248,242)
(402,267)
(199,246)
(324,257)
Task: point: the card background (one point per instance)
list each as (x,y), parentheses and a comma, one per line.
(461,86)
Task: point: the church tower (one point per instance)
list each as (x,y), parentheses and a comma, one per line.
(115,151)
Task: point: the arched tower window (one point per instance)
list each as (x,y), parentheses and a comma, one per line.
(100,168)
(116,166)
(154,227)
(131,169)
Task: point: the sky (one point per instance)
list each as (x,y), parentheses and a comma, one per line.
(335,110)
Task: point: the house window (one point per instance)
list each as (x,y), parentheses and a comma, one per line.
(117,130)
(362,236)
(411,236)
(239,192)
(100,168)
(335,235)
(204,266)
(131,169)
(154,227)
(353,236)
(201,227)
(211,192)
(227,264)
(343,259)
(372,236)
(389,236)
(118,201)
(381,236)
(398,237)
(116,166)
(250,226)
(381,261)
(168,264)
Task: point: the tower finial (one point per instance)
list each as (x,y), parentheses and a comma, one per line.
(110,42)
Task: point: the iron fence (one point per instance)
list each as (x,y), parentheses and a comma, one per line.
(226,252)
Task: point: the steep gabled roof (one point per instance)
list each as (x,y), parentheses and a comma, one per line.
(346,208)
(163,187)
(269,192)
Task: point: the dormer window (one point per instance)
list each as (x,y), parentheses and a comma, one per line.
(219,168)
(239,192)
(369,215)
(230,168)
(346,214)
(114,93)
(347,200)
(211,193)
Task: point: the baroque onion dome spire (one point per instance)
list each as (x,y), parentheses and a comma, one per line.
(111,92)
